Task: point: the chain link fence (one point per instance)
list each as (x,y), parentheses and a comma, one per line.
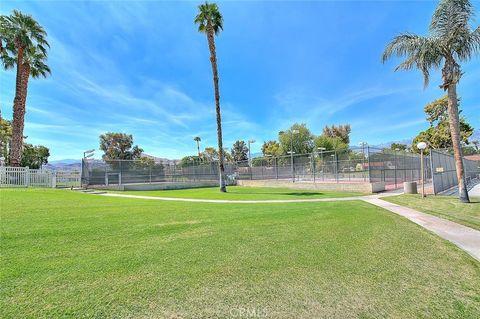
(118,172)
(445,174)
(354,165)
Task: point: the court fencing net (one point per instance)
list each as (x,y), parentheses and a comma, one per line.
(353,165)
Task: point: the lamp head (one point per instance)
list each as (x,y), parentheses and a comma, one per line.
(422,145)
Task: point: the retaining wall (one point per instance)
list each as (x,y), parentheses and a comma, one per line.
(361,187)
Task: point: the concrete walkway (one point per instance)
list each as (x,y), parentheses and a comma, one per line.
(265,201)
(464,237)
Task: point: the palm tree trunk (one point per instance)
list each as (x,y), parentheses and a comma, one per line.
(213,60)
(453,120)
(198,149)
(18,115)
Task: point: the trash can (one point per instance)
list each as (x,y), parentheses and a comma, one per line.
(410,188)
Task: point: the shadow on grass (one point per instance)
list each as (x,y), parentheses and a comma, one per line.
(279,193)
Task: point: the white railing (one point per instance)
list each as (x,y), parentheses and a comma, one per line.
(25,177)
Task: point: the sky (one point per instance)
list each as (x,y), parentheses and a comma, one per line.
(142,68)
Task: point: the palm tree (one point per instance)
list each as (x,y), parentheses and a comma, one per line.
(198,140)
(210,21)
(25,46)
(451,41)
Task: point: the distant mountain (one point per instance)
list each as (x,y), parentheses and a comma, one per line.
(475,136)
(407,142)
(65,161)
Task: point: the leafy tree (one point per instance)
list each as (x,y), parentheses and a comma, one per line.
(342,132)
(210,154)
(5,138)
(239,151)
(198,140)
(34,156)
(398,146)
(330,143)
(119,146)
(438,135)
(301,142)
(25,47)
(190,160)
(451,41)
(227,156)
(271,148)
(471,150)
(210,22)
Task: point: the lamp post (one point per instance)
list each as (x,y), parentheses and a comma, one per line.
(422,146)
(321,150)
(336,165)
(249,153)
(395,165)
(292,152)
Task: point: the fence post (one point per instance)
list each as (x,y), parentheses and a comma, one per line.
(54,179)
(27,176)
(313,166)
(368,164)
(120,174)
(432,173)
(336,166)
(276,168)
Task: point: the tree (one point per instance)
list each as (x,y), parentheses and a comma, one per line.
(450,42)
(398,146)
(190,160)
(342,132)
(239,151)
(198,140)
(271,148)
(210,21)
(5,139)
(25,47)
(210,154)
(330,143)
(438,135)
(118,146)
(34,156)
(301,142)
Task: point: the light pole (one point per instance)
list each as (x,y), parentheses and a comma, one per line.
(321,150)
(249,153)
(422,146)
(336,165)
(395,165)
(292,152)
(363,144)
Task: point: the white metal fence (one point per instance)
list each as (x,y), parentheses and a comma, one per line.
(25,177)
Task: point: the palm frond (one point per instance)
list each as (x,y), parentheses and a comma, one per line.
(450,18)
(420,52)
(209,13)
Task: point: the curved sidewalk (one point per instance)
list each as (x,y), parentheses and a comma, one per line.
(464,237)
(230,201)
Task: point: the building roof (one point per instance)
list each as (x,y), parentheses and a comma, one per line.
(475,157)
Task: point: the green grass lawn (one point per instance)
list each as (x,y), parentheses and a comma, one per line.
(242,193)
(447,207)
(67,254)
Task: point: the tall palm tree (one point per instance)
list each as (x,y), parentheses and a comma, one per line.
(198,140)
(25,46)
(451,41)
(210,21)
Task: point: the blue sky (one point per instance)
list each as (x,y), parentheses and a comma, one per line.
(142,68)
